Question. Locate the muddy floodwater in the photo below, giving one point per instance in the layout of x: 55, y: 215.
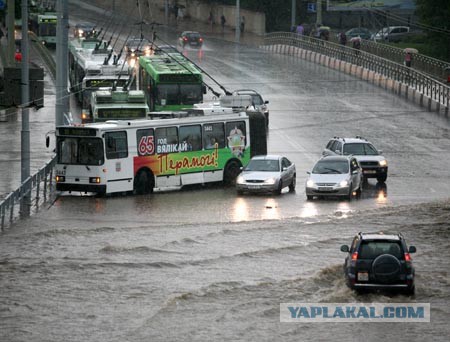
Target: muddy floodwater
x: 104, y: 279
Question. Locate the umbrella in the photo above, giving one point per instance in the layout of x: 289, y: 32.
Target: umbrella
x: 355, y: 39
x: 411, y: 50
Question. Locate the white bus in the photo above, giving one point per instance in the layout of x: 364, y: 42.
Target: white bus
x: 119, y: 104
x: 140, y: 155
x: 89, y: 69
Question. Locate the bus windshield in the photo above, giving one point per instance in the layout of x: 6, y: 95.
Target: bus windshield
x: 47, y: 29
x: 121, y: 113
x: 80, y: 151
x: 191, y: 93
x: 171, y: 94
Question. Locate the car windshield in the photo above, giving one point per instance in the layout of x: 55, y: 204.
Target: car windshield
x: 257, y: 100
x: 270, y: 165
x: 360, y: 149
x: 193, y: 35
x: 372, y: 249
x: 331, y: 166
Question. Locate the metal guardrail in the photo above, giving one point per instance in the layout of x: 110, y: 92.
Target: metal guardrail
x: 413, y: 78
x: 428, y: 65
x: 31, y: 188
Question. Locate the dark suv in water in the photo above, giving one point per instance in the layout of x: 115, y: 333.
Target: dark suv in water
x: 379, y: 261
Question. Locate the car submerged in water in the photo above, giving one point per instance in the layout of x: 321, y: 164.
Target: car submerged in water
x: 265, y: 174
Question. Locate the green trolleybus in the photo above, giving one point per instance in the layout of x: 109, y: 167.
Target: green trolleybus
x: 170, y: 82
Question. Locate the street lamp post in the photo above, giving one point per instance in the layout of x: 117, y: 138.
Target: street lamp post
x: 238, y: 22
x: 293, y: 14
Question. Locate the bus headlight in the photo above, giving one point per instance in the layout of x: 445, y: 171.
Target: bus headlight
x: 95, y: 180
x: 60, y: 179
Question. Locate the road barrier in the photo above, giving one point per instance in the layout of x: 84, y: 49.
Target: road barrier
x: 409, y: 82
x: 35, y: 186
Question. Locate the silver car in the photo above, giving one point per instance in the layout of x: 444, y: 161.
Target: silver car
x: 269, y: 173
x: 335, y: 176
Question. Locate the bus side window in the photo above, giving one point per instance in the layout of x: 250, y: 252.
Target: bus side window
x: 190, y: 138
x: 116, y: 145
x: 213, y: 134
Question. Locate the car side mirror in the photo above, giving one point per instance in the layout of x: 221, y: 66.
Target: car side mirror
x: 338, y: 152
x: 266, y: 102
x: 284, y: 168
x: 412, y: 249
x: 204, y: 89
x: 380, y: 151
x: 308, y: 172
x: 344, y: 248
x: 47, y: 141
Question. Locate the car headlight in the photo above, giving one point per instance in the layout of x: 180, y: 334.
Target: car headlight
x: 310, y: 183
x: 240, y: 180
x: 270, y: 181
x: 383, y: 162
x: 343, y: 183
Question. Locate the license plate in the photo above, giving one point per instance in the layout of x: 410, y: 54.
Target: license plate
x: 325, y: 188
x: 253, y: 186
x: 370, y: 171
x: 363, y: 276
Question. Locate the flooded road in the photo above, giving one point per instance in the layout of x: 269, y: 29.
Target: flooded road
x: 204, y: 264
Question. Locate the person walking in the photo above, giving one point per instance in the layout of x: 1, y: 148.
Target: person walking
x: 211, y: 20
x: 242, y: 24
x: 408, y: 59
x: 300, y: 29
x: 342, y: 39
x: 223, y: 20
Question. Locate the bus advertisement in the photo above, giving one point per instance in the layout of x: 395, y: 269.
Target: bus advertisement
x: 170, y: 82
x: 140, y: 155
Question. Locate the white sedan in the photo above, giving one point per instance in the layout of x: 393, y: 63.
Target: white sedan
x: 269, y: 173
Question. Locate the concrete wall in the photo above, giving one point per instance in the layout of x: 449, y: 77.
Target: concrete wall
x: 153, y: 10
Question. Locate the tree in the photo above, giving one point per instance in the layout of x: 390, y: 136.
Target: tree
x: 435, y: 14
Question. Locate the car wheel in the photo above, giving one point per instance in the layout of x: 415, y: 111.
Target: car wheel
x: 386, y: 269
x: 144, y: 182
x: 232, y: 170
x: 410, y: 291
x: 359, y: 190
x: 350, y: 192
x: 293, y: 183
x: 382, y: 179
x: 280, y: 187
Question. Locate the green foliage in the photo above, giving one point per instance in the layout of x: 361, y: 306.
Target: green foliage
x: 435, y: 14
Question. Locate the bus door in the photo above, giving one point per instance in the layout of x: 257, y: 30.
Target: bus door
x: 118, y: 165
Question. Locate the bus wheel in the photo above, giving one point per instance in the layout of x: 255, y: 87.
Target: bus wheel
x: 232, y: 170
x: 144, y: 183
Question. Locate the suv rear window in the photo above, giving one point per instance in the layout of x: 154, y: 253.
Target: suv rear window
x: 360, y: 149
x: 372, y: 249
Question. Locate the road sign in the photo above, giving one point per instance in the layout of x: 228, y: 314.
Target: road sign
x: 311, y: 7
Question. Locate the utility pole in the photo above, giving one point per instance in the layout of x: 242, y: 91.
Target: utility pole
x: 62, y: 98
x: 166, y: 11
x: 293, y: 13
x: 25, y: 133
x: 319, y: 12
x: 10, y: 16
x: 238, y: 22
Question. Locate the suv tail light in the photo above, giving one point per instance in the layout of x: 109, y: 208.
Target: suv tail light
x: 355, y: 256
x: 407, y: 257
